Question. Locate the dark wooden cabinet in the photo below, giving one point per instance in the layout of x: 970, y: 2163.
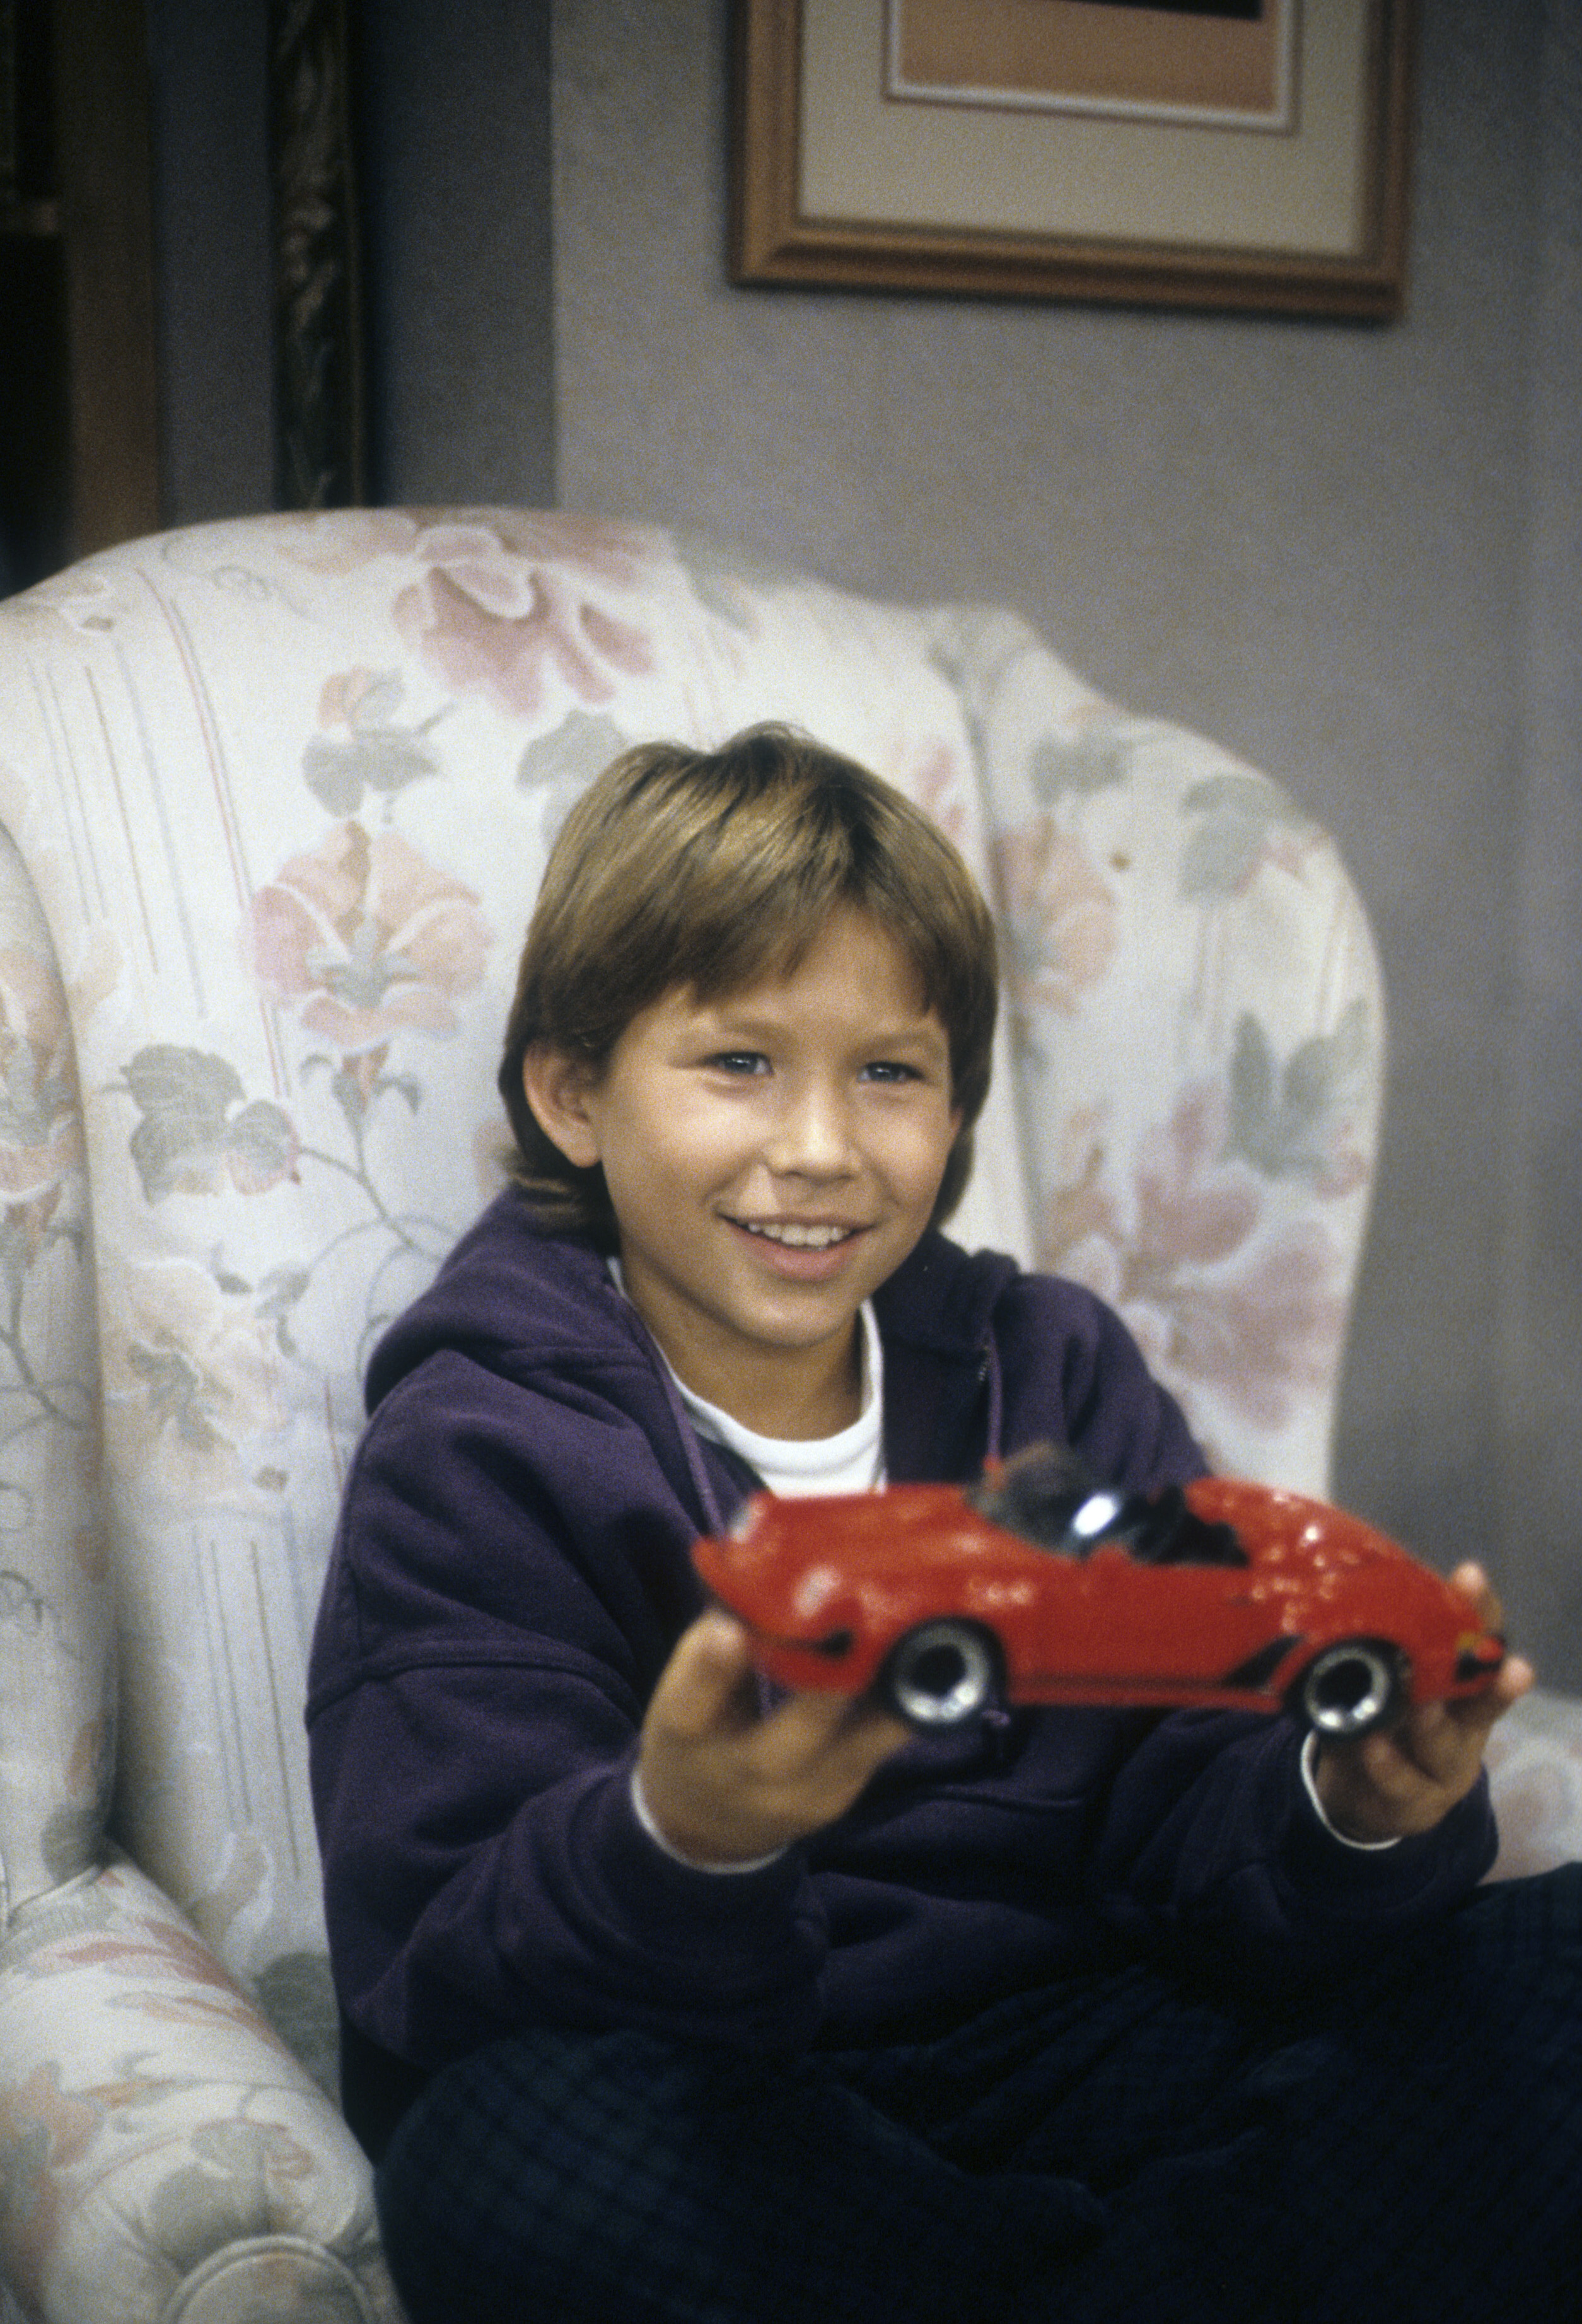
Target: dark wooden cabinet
x: 78, y: 404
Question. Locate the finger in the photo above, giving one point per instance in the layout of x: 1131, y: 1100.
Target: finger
x: 707, y: 1687
x: 1479, y: 1712
x: 1396, y: 1761
x: 837, y: 1731
x: 1377, y: 1789
x: 869, y: 1735
x: 1516, y: 1676
x: 1473, y: 1583
x: 1432, y: 1742
x: 1439, y: 1743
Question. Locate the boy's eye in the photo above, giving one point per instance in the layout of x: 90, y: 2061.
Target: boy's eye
x: 738, y: 1061
x: 890, y: 1069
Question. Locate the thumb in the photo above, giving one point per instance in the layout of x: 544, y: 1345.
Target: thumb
x: 707, y: 1684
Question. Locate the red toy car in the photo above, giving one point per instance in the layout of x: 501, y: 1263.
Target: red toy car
x: 1038, y: 1587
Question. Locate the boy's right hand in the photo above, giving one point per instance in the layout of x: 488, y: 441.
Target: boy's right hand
x: 723, y: 1783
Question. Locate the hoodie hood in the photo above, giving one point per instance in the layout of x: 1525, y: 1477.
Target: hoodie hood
x: 515, y: 1300
x: 526, y: 1305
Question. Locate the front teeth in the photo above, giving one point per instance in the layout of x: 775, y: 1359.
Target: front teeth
x: 802, y: 1238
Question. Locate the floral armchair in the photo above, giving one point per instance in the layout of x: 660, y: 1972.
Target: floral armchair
x: 274, y: 800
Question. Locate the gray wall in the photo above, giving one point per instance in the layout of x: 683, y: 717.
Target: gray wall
x: 456, y: 121
x: 1348, y: 552
x: 453, y: 161
x: 1540, y: 1350
x: 208, y: 91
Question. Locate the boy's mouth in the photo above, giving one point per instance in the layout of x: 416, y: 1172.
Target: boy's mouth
x: 795, y: 1236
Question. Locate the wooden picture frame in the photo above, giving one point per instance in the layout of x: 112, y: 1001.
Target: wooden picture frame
x: 320, y: 420
x: 846, y: 173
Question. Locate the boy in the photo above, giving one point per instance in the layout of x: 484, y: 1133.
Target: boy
x: 662, y: 2000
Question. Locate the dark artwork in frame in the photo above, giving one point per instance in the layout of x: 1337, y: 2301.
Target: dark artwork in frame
x: 1244, y: 12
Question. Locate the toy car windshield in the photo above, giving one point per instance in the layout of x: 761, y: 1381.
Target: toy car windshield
x: 1045, y: 1498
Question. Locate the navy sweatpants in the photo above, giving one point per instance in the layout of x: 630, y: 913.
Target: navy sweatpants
x: 1405, y: 2148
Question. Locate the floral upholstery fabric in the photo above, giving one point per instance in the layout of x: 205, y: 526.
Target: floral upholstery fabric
x: 274, y: 800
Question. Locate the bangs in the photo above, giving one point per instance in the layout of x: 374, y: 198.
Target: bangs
x: 746, y: 895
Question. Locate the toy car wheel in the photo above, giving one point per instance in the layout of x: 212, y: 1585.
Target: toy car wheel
x: 941, y: 1673
x: 1351, y: 1688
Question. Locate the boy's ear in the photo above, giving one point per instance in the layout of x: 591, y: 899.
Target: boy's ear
x: 556, y: 1088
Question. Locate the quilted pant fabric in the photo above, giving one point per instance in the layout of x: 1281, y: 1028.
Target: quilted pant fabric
x: 1403, y: 2146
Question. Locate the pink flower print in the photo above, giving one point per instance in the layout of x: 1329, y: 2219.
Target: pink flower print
x: 494, y: 613
x: 937, y: 786
x: 343, y: 698
x: 41, y: 1126
x: 153, y: 1948
x: 369, y: 938
x: 1060, y: 916
x: 620, y: 554
x: 340, y: 541
x: 40, y: 2104
x: 363, y: 746
x: 337, y: 542
x: 45, y: 2133
x: 191, y: 1380
x: 1270, y: 1333
x: 1189, y: 1212
x: 1081, y: 1210
x: 1213, y: 1296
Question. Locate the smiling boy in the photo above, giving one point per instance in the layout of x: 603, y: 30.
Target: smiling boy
x: 670, y: 2002
x: 772, y: 1156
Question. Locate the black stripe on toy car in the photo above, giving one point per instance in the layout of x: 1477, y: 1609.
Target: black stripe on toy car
x: 1257, y: 1670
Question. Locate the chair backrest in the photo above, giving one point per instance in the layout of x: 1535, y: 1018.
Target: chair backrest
x: 276, y: 797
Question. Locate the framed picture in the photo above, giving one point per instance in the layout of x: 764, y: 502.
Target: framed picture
x: 321, y: 432
x: 1220, y: 153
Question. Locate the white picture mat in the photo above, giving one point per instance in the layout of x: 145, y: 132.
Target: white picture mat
x: 1275, y: 116
x: 864, y: 159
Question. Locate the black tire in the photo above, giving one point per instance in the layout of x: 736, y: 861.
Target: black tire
x: 942, y: 1673
x: 1350, y: 1688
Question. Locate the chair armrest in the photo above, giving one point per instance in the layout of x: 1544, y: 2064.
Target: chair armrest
x: 165, y: 2158
x: 57, y: 1605
x: 1535, y: 1771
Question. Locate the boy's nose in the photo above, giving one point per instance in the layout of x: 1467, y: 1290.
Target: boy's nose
x: 811, y: 1137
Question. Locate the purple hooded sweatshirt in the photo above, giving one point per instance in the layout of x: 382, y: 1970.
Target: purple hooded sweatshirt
x: 511, y: 1572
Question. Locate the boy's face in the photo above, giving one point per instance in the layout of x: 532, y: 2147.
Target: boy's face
x: 771, y: 1157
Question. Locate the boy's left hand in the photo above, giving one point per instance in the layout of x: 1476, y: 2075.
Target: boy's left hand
x: 1406, y: 1777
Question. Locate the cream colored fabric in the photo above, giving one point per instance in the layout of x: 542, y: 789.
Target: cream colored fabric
x: 166, y: 2153
x: 274, y: 801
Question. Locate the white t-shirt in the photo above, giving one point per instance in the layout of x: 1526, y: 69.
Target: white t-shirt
x: 852, y: 1461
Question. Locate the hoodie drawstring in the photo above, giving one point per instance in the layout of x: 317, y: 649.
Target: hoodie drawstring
x: 989, y: 1371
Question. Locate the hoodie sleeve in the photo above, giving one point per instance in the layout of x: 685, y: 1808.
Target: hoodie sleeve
x: 1212, y: 1850
x: 511, y: 1571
